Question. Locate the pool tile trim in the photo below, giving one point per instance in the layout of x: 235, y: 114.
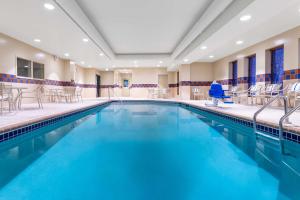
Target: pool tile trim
x: 268, y: 129
x: 38, y: 124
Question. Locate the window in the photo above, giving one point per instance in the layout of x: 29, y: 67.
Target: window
x: 252, y: 70
x: 27, y: 68
x: 234, y: 73
x: 277, y: 71
x: 38, y: 70
x: 125, y: 83
x: 23, y: 67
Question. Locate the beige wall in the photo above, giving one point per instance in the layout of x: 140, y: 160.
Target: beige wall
x: 55, y: 68
x: 289, y: 39
x: 10, y: 49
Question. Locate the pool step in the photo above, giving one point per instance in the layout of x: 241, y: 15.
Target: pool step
x: 258, y: 133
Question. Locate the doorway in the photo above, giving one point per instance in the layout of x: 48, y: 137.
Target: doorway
x: 98, y: 85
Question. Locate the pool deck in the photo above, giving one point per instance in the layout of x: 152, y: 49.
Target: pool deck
x: 30, y: 113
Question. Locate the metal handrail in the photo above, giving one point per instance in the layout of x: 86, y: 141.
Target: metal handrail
x: 266, y: 105
x: 282, y: 119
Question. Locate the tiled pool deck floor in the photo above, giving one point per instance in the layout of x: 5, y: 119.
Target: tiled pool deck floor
x: 30, y: 113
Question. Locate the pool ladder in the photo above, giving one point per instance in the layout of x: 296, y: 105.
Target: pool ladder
x: 283, y: 119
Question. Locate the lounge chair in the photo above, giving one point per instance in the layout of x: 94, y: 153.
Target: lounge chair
x: 293, y: 93
x: 253, y: 92
x: 270, y: 91
x: 233, y: 92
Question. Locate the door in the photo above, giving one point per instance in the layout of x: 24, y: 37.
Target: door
x: 234, y: 73
x: 277, y: 70
x: 251, y: 71
x: 98, y: 85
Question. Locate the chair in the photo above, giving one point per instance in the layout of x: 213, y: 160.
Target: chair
x: 293, y: 93
x: 6, y: 95
x: 270, y: 91
x: 36, y: 94
x: 68, y: 94
x: 78, y: 94
x: 164, y: 93
x: 233, y: 92
x: 217, y: 93
x: 253, y: 92
x: 197, y: 93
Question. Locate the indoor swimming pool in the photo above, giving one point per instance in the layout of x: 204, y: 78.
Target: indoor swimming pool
x: 147, y: 150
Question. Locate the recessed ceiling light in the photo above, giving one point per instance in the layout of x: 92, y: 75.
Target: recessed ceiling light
x: 186, y: 60
x: 67, y: 54
x: 101, y: 54
x: 82, y: 62
x: 204, y: 47
x: 245, y: 18
x: 37, y: 40
x: 106, y: 69
x: 85, y: 39
x: 239, y: 42
x: 40, y: 55
x: 49, y: 6
x: 161, y: 62
x: 211, y: 56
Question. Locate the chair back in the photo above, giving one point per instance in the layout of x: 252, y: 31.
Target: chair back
x: 295, y: 87
x: 216, y: 90
x: 234, y: 89
x: 195, y: 90
x: 273, y: 88
x: 254, y: 89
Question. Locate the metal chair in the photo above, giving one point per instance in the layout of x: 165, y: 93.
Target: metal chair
x: 78, y: 94
x: 36, y: 94
x: 6, y: 95
x: 196, y: 92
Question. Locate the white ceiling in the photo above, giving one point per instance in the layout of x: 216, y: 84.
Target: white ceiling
x: 142, y: 33
x: 143, y: 27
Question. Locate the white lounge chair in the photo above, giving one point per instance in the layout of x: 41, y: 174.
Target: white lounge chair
x: 293, y: 94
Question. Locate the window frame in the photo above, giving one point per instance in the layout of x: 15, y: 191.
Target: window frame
x: 31, y: 74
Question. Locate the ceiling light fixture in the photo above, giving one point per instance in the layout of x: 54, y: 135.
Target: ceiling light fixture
x: 211, y: 56
x: 245, y: 18
x: 67, y: 54
x: 161, y: 62
x: 239, y: 42
x: 85, y: 39
x: 186, y: 60
x: 106, y: 69
x: 204, y: 47
x: 82, y: 62
x: 101, y: 54
x: 49, y: 6
x: 37, y: 40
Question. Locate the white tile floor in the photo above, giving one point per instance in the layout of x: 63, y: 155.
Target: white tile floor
x: 31, y: 113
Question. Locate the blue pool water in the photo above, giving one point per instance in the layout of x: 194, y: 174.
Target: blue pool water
x: 147, y: 151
